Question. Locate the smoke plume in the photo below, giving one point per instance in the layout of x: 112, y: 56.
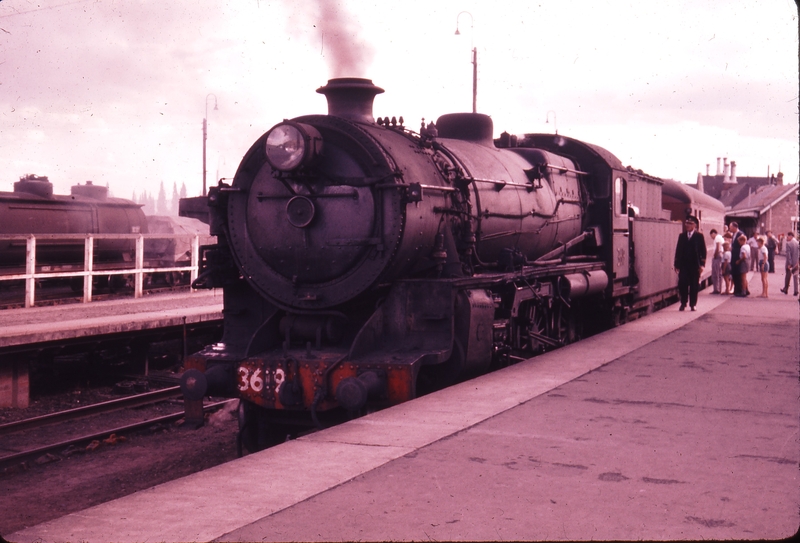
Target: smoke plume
x: 339, y: 36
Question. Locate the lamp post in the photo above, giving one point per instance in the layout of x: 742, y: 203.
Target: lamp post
x: 205, y: 136
x: 555, y: 120
x: 474, y: 59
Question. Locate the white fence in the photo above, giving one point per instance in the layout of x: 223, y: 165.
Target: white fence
x: 138, y: 270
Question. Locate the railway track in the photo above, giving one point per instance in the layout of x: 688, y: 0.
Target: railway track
x: 20, y: 452
x: 94, y: 409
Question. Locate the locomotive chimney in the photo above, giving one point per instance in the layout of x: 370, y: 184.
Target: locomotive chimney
x: 351, y: 98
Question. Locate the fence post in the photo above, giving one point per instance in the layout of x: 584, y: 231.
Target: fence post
x: 195, y: 260
x: 88, y: 267
x: 139, y: 275
x: 30, y: 269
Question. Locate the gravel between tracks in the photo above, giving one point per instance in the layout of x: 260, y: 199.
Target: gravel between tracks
x: 58, y: 484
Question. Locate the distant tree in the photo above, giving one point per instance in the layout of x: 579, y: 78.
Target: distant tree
x: 146, y: 201
x: 175, y: 198
x: 161, y: 203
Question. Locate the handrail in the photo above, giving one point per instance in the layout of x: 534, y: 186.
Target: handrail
x: 96, y: 236
x: 138, y: 270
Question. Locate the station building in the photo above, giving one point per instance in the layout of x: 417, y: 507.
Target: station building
x: 757, y: 204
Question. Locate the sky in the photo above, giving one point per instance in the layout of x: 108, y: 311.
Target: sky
x: 115, y: 91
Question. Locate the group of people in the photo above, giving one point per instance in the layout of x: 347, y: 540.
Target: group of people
x: 733, y: 257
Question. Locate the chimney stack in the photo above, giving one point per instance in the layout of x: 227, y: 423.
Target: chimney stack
x: 733, y: 172
x: 719, y: 172
x: 351, y: 98
x: 725, y: 170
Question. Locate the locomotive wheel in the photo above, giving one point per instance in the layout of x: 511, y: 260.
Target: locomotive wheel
x: 437, y: 376
x: 76, y: 284
x: 537, y: 327
x: 173, y: 278
x: 455, y: 367
x: 563, y: 326
x: 116, y: 283
x: 256, y: 433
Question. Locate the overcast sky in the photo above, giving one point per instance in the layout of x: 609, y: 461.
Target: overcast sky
x: 115, y: 91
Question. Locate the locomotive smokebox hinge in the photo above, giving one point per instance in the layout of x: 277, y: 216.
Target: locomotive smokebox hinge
x: 414, y: 192
x: 462, y: 182
x: 213, y: 197
x: 535, y: 175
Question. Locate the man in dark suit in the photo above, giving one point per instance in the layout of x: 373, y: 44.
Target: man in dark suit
x: 736, y: 248
x: 690, y: 259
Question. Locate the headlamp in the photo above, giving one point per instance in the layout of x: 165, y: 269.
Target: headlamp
x: 291, y: 145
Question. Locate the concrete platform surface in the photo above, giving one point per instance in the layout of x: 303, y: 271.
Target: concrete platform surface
x: 69, y: 321
x: 681, y: 425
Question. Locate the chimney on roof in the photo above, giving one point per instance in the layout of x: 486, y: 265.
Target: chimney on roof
x: 733, y: 172
x: 725, y: 171
x: 708, y: 169
x: 780, y: 178
x: 718, y: 170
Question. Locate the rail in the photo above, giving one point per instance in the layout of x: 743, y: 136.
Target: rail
x: 129, y: 402
x: 90, y: 268
x: 120, y: 430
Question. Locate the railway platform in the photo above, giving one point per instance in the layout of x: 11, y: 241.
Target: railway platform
x: 30, y: 329
x: 679, y: 425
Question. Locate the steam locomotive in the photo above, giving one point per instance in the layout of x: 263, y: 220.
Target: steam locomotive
x: 363, y: 263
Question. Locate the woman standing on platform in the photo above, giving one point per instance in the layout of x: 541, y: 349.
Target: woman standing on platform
x: 763, y: 267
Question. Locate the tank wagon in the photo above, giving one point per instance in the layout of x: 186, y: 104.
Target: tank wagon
x: 363, y: 263
x: 32, y: 208
x: 172, y: 251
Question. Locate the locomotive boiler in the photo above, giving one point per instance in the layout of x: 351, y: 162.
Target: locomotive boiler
x: 364, y: 263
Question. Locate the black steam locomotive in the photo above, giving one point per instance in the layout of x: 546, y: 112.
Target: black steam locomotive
x: 363, y: 263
